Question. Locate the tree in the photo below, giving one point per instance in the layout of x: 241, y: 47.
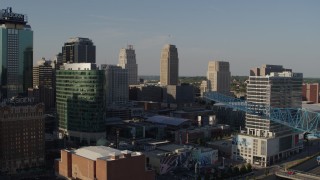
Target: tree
x: 235, y: 170
x: 249, y: 167
x: 243, y: 169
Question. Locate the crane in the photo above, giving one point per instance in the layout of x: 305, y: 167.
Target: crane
x: 300, y: 119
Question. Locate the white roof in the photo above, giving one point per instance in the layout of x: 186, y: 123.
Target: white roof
x: 95, y: 152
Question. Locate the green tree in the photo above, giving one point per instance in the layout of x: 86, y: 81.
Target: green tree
x: 243, y: 169
x: 249, y: 167
x: 236, y: 171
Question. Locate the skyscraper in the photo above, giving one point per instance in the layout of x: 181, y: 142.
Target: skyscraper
x: 218, y: 76
x: 169, y: 65
x: 80, y: 102
x: 79, y: 50
x: 266, y: 142
x: 44, y: 83
x: 16, y: 54
x: 116, y: 85
x: 127, y: 60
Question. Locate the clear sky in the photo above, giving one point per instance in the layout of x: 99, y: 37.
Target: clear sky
x: 247, y: 33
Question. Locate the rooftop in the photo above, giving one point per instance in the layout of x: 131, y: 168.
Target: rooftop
x: 167, y: 120
x: 95, y: 152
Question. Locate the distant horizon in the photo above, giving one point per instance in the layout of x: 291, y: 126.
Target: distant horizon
x: 245, y: 33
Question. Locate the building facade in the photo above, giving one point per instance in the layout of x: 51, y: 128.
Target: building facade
x: 169, y: 65
x: 79, y: 50
x: 21, y: 135
x: 310, y: 92
x: 127, y: 60
x: 43, y: 82
x: 16, y: 54
x: 100, y: 162
x: 218, y: 76
x: 266, y: 142
x: 80, y: 102
x: 116, y: 85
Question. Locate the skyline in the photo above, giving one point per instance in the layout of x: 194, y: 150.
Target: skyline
x: 246, y: 34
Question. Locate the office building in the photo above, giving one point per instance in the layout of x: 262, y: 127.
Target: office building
x: 116, y: 85
x: 266, y: 142
x: 43, y: 82
x: 16, y: 54
x: 218, y: 76
x: 80, y: 102
x: 79, y: 50
x: 266, y: 69
x: 100, y: 162
x: 21, y: 135
x: 310, y: 93
x: 169, y: 65
x: 127, y: 60
x: 182, y: 96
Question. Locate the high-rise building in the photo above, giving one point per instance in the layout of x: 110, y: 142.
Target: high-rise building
x: 16, y: 54
x: 127, y: 60
x: 44, y: 83
x: 79, y: 50
x: 80, y: 102
x: 266, y: 69
x: 266, y: 142
x: 21, y: 135
x: 116, y: 85
x: 169, y: 65
x: 218, y: 76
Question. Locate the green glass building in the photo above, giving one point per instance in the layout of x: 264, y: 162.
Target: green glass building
x: 80, y: 102
x: 16, y: 54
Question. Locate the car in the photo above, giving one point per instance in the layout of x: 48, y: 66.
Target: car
x: 290, y: 172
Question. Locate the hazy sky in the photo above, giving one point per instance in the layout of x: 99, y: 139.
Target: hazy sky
x: 247, y: 33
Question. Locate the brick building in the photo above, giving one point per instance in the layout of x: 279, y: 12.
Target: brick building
x: 100, y: 162
x: 21, y: 135
x: 310, y: 92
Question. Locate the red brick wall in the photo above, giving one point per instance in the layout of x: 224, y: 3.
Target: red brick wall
x: 83, y: 168
x: 101, y: 169
x: 314, y: 93
x: 64, y: 165
x: 129, y: 168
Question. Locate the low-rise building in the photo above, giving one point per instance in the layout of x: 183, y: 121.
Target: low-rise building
x: 100, y: 162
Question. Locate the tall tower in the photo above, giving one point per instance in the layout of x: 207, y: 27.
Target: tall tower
x: 169, y: 65
x: 80, y: 105
x: 218, y: 76
x: 79, y: 50
x: 116, y: 85
x: 266, y: 142
x: 16, y: 54
x: 127, y: 60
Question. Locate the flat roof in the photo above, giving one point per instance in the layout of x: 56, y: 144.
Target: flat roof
x: 312, y: 107
x: 167, y: 120
x: 95, y: 152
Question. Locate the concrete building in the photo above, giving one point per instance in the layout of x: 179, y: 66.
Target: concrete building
x: 116, y: 85
x: 44, y: 82
x: 266, y: 142
x: 310, y: 92
x: 266, y: 69
x: 100, y: 162
x: 218, y: 76
x: 16, y: 54
x: 22, y: 141
x: 127, y: 60
x: 80, y: 102
x: 79, y: 50
x: 169, y: 65
x: 180, y: 95
x: 146, y: 93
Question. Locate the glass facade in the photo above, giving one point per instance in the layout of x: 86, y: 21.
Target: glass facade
x: 16, y: 53
x: 80, y: 102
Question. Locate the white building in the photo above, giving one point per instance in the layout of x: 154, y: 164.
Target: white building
x: 266, y: 142
x: 127, y: 60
